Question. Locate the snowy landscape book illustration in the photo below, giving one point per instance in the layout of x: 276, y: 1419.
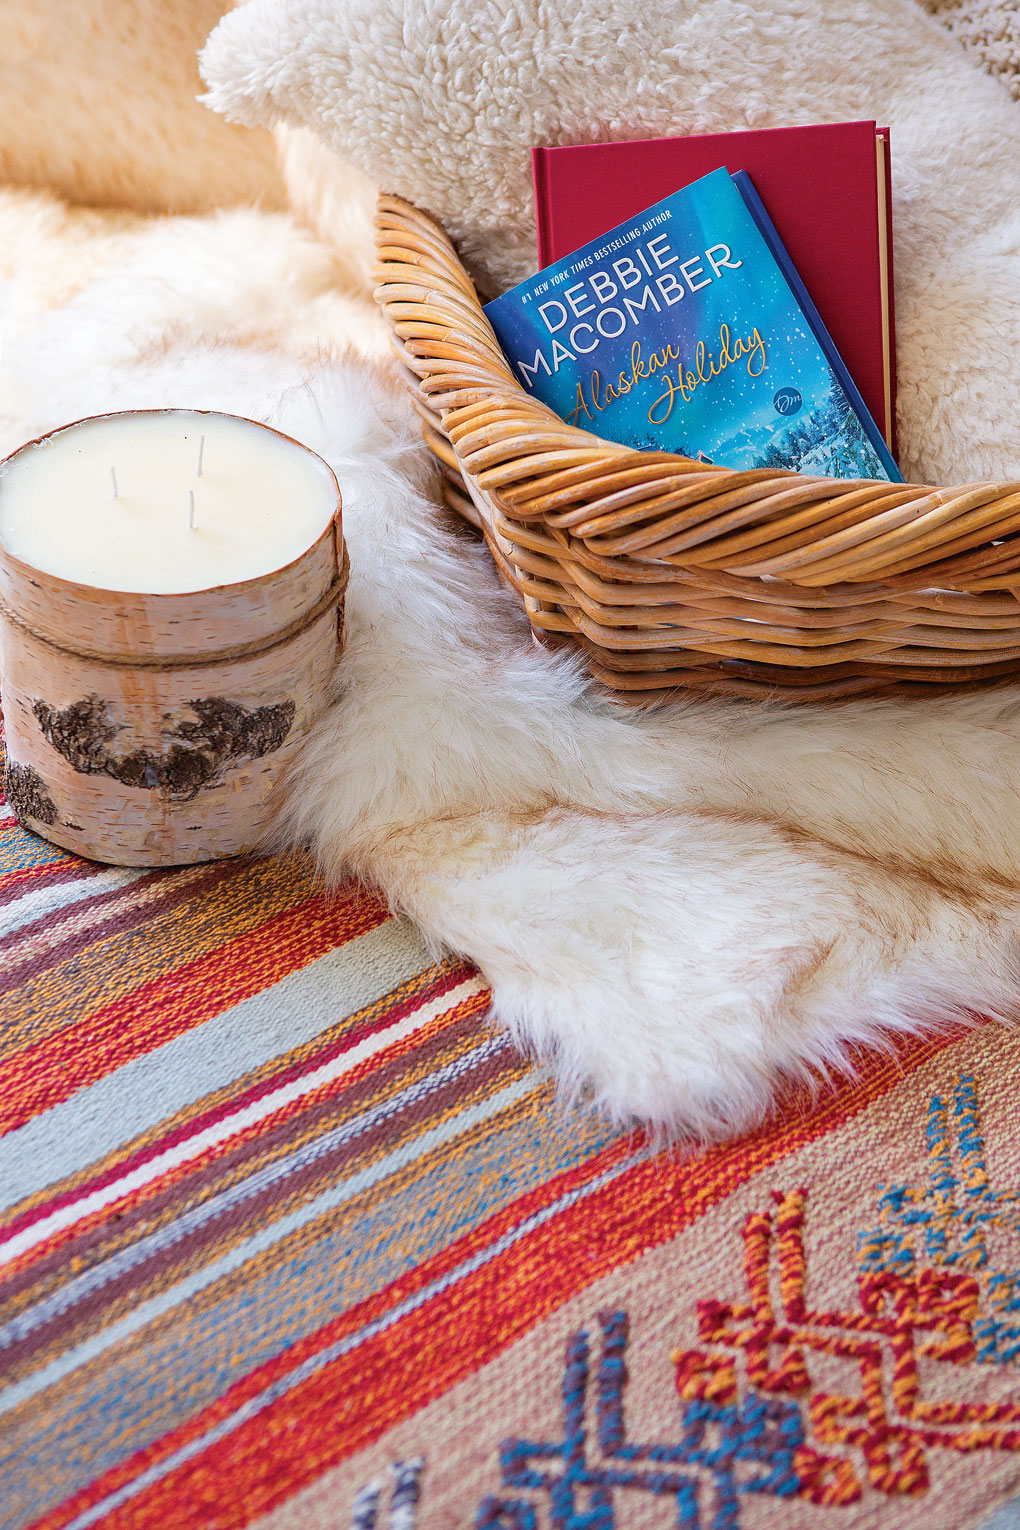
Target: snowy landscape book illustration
x: 686, y: 329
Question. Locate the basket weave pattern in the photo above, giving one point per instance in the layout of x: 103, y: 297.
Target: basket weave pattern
x: 672, y: 573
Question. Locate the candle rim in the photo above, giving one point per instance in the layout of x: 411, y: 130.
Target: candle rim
x: 332, y: 527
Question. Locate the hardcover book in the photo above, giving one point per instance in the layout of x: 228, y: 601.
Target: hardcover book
x: 687, y: 329
x: 827, y: 189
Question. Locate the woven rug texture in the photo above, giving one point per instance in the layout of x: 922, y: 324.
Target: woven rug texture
x: 291, y: 1237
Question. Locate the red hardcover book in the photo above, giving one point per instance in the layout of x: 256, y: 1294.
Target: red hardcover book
x: 827, y: 189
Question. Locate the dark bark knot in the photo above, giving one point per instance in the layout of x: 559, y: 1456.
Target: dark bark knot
x: 198, y: 751
x: 28, y: 794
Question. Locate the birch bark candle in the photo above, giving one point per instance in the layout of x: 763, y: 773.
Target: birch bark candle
x: 171, y: 595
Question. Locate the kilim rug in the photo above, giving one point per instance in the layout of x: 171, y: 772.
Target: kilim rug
x: 290, y: 1238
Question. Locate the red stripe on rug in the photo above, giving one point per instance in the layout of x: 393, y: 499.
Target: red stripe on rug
x: 380, y: 1382
x: 40, y: 1076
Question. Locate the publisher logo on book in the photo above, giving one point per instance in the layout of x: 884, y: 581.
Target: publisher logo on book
x: 788, y: 400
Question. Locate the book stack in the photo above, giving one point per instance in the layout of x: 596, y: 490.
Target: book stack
x: 742, y: 318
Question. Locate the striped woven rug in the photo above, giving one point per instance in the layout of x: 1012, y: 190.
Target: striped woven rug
x: 291, y: 1238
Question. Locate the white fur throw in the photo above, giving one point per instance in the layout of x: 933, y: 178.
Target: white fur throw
x: 441, y: 101
x: 679, y: 908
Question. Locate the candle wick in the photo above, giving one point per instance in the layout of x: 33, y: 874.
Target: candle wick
x: 113, y: 480
x: 201, y: 452
x: 191, y: 509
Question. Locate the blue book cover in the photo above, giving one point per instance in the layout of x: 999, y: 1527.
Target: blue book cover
x: 686, y: 329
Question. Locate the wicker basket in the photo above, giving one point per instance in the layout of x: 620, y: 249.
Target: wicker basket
x: 672, y: 574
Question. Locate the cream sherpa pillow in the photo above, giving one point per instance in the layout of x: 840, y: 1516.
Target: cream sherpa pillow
x: 441, y: 101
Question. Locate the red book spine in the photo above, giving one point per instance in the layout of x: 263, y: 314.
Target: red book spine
x: 543, y: 208
x: 890, y: 291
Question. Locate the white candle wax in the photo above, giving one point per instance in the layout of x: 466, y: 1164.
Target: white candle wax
x: 106, y: 502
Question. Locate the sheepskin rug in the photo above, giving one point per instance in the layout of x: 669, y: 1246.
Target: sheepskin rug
x: 680, y: 909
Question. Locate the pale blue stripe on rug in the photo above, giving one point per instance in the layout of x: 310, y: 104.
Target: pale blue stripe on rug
x: 40, y: 901
x: 228, y: 1201
x: 1006, y: 1517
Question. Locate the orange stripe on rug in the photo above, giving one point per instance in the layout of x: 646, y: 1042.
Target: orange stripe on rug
x: 356, y: 1398
x: 46, y: 1072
